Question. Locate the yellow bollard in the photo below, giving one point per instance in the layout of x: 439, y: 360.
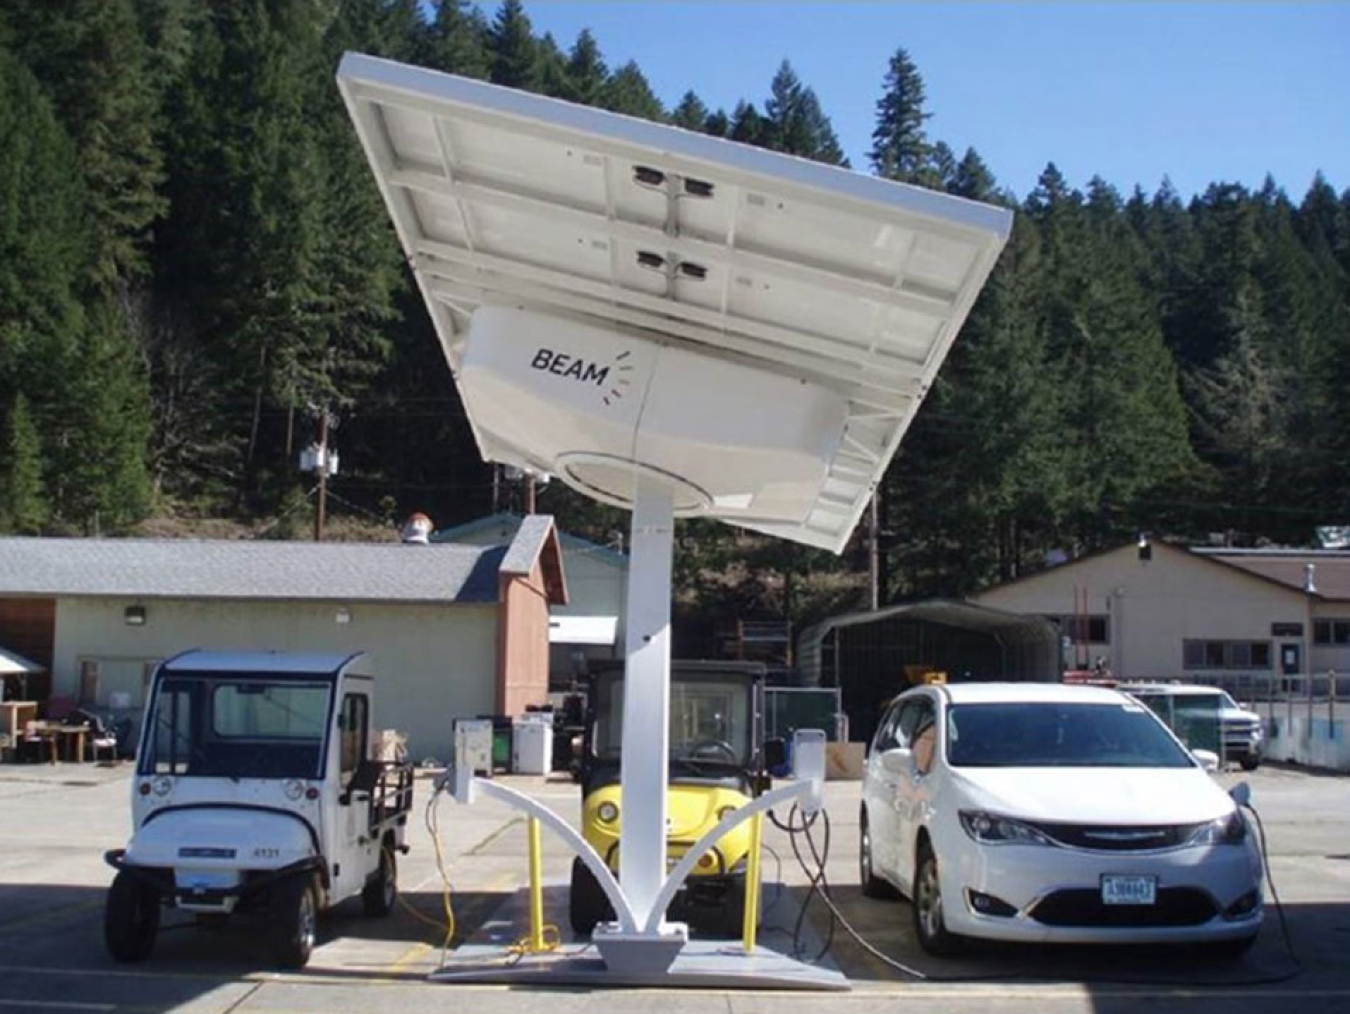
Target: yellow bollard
x: 749, y: 919
x: 536, y: 887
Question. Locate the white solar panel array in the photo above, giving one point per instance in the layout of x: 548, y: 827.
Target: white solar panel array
x: 844, y: 280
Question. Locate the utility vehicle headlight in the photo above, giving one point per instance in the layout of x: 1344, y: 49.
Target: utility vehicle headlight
x: 991, y: 829
x: 162, y: 785
x: 294, y: 789
x: 607, y: 812
x: 1229, y: 830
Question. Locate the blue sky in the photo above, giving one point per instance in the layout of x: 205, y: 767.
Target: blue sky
x: 1201, y: 92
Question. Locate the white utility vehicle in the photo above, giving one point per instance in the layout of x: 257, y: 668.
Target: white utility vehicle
x: 255, y: 794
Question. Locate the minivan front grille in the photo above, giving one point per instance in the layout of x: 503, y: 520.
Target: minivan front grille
x: 1119, y: 838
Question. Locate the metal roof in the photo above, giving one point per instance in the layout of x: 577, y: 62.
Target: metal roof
x: 223, y: 569
x: 1330, y: 568
x: 536, y: 540
x: 793, y: 267
x: 508, y: 524
x: 1030, y: 636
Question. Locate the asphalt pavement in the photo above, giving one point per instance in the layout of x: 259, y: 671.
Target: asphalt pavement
x: 56, y: 822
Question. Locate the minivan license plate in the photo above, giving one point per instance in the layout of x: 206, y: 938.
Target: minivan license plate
x: 1129, y: 890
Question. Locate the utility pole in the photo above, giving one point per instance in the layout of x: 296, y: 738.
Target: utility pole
x: 874, y: 552
x: 323, y: 475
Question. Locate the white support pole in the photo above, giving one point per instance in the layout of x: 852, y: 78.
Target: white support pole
x: 646, y: 702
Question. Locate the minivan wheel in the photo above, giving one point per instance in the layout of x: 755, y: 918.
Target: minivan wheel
x: 872, y: 885
x: 929, y: 925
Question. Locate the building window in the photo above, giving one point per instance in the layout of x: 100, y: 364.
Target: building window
x: 1225, y: 654
x: 1331, y: 632
x: 1091, y: 629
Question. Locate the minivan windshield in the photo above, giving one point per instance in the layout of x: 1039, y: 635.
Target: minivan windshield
x: 243, y: 726
x: 1059, y: 734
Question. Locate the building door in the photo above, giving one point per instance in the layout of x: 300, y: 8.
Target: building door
x: 1290, y: 659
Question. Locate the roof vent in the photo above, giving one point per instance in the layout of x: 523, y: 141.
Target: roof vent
x: 1309, y: 584
x: 416, y: 530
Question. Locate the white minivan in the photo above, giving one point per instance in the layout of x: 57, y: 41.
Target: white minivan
x: 1043, y: 812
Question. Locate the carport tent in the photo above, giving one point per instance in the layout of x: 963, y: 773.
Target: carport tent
x: 865, y: 653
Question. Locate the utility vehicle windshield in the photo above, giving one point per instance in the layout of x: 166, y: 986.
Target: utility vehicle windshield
x: 710, y: 721
x: 227, y: 726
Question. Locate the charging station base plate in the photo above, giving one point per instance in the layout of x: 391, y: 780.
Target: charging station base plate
x: 702, y: 964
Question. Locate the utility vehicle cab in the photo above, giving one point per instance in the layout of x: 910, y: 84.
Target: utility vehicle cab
x: 255, y: 793
x: 716, y: 765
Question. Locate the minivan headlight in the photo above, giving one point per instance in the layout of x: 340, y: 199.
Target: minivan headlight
x: 1229, y: 830
x: 991, y: 829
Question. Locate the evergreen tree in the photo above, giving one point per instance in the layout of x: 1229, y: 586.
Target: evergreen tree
x: 794, y: 122
x: 718, y: 124
x: 691, y: 113
x: 551, y: 69
x: 43, y: 257
x: 586, y: 70
x: 940, y: 172
x: 512, y: 48
x: 23, y: 500
x: 457, y: 40
x: 243, y: 237
x: 92, y: 61
x: 747, y: 126
x: 899, y: 144
x: 972, y: 178
x: 627, y: 92
x: 105, y: 484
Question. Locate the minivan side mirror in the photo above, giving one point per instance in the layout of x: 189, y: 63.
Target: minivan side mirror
x: 1209, y: 760
x: 897, y: 760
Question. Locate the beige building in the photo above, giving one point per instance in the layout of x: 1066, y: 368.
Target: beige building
x: 453, y: 631
x: 1160, y: 611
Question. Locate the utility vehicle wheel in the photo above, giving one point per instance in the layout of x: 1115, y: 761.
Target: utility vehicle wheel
x: 586, y: 901
x: 377, y: 897
x: 295, y: 919
x: 131, y: 918
x: 872, y: 885
x: 1250, y: 763
x: 929, y: 925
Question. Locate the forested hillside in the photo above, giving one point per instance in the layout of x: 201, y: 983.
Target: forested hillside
x: 195, y: 263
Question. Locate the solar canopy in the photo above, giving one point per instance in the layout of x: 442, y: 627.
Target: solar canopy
x: 792, y: 267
